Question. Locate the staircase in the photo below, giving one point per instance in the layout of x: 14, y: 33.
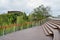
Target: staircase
x: 52, y: 28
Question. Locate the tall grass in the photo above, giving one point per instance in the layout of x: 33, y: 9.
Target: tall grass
x: 16, y: 27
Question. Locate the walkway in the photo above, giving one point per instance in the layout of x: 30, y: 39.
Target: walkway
x: 35, y: 33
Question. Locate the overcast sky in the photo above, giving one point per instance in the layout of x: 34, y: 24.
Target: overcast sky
x: 28, y: 5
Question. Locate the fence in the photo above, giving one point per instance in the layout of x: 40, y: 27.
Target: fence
x: 16, y: 27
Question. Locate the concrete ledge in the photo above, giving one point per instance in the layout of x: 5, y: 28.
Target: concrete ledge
x: 51, y: 25
x: 45, y: 31
x: 58, y: 26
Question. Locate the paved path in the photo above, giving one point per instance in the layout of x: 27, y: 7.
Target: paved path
x: 35, y: 33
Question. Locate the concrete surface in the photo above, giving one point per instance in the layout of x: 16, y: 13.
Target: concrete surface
x: 35, y: 33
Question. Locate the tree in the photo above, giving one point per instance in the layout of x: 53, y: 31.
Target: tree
x: 40, y: 13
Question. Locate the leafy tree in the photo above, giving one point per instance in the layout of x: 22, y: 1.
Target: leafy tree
x: 40, y: 13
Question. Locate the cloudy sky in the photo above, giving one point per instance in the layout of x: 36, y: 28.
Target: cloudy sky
x: 28, y: 5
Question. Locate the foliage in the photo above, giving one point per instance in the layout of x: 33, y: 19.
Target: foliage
x: 24, y: 21
x: 40, y: 13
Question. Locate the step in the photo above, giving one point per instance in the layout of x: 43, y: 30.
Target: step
x: 58, y: 23
x: 50, y: 28
x: 51, y: 25
x: 47, y: 29
x: 46, y: 33
x: 58, y: 26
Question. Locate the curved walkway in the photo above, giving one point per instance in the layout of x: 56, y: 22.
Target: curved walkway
x: 35, y: 33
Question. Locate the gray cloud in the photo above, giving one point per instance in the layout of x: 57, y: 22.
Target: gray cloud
x: 29, y: 5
